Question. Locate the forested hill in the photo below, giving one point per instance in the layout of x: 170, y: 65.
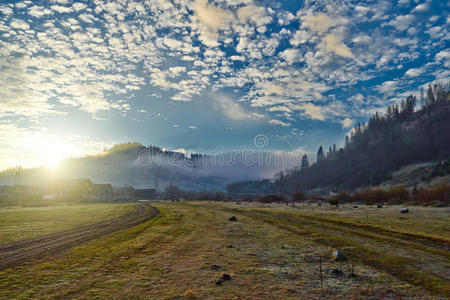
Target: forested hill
x: 143, y: 167
x: 374, y: 150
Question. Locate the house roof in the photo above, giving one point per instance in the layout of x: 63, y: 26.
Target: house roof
x: 101, y: 188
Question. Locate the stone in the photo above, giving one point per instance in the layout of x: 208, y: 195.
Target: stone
x: 226, y: 277
x: 337, y: 255
x: 337, y: 272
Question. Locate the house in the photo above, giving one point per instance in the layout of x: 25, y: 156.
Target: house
x: 124, y: 193
x: 82, y: 190
x: 145, y: 194
x: 101, y: 192
x: 73, y: 189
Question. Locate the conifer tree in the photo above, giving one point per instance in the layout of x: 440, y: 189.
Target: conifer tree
x: 430, y: 95
x: 347, y: 142
x: 305, y: 162
x: 320, y: 155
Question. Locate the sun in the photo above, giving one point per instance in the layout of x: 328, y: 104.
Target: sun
x: 49, y: 151
x: 54, y: 153
x: 53, y: 160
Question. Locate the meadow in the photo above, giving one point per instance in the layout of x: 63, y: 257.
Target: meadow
x: 20, y: 223
x: 271, y: 252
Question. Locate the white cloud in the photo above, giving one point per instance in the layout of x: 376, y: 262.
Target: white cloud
x: 6, y: 10
x: 319, y: 22
x: 86, y: 18
x: 443, y: 57
x: 255, y: 14
x: 414, y: 72
x: 346, y: 123
x: 38, y: 11
x: 310, y: 110
x: 176, y: 71
x: 401, y: 22
x: 19, y: 24
x: 421, y: 7
x: 290, y: 55
x: 87, y: 67
x: 363, y: 39
x: 61, y: 9
x: 212, y: 18
x: 77, y: 6
x: 335, y: 44
x: 231, y: 109
x: 388, y: 87
x: 279, y: 123
x: 279, y: 108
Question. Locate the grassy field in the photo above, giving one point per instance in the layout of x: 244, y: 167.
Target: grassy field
x: 20, y: 223
x: 270, y: 252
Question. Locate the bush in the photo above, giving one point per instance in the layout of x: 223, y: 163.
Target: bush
x: 374, y: 196
x: 439, y: 193
x: 343, y: 197
x: 272, y: 198
x: 334, y: 201
x: 298, y: 196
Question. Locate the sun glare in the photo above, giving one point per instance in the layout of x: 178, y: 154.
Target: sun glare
x: 53, y: 160
x: 49, y: 151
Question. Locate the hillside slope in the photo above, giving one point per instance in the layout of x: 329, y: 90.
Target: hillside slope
x: 375, y: 152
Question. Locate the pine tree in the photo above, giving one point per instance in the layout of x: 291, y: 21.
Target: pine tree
x: 395, y: 111
x: 320, y: 155
x: 410, y: 104
x: 389, y: 112
x: 430, y: 95
x: 422, y: 97
x: 305, y: 162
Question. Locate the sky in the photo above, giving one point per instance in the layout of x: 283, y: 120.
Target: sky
x: 77, y: 77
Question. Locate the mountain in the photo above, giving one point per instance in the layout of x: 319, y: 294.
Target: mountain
x: 142, y: 167
x: 375, y: 151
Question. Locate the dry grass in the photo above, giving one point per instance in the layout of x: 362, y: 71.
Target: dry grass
x: 21, y: 223
x: 271, y: 257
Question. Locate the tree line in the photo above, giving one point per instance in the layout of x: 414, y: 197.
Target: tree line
x: 374, y: 150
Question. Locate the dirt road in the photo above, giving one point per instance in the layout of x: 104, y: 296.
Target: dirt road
x: 16, y: 253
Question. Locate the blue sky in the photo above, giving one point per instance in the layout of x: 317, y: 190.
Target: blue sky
x: 79, y: 76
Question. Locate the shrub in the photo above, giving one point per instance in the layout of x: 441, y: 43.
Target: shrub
x: 439, y: 193
x: 298, y: 196
x: 334, y: 201
x: 272, y: 198
x: 343, y: 197
x: 374, y: 196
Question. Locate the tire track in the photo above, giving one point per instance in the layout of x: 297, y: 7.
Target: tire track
x: 16, y: 253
